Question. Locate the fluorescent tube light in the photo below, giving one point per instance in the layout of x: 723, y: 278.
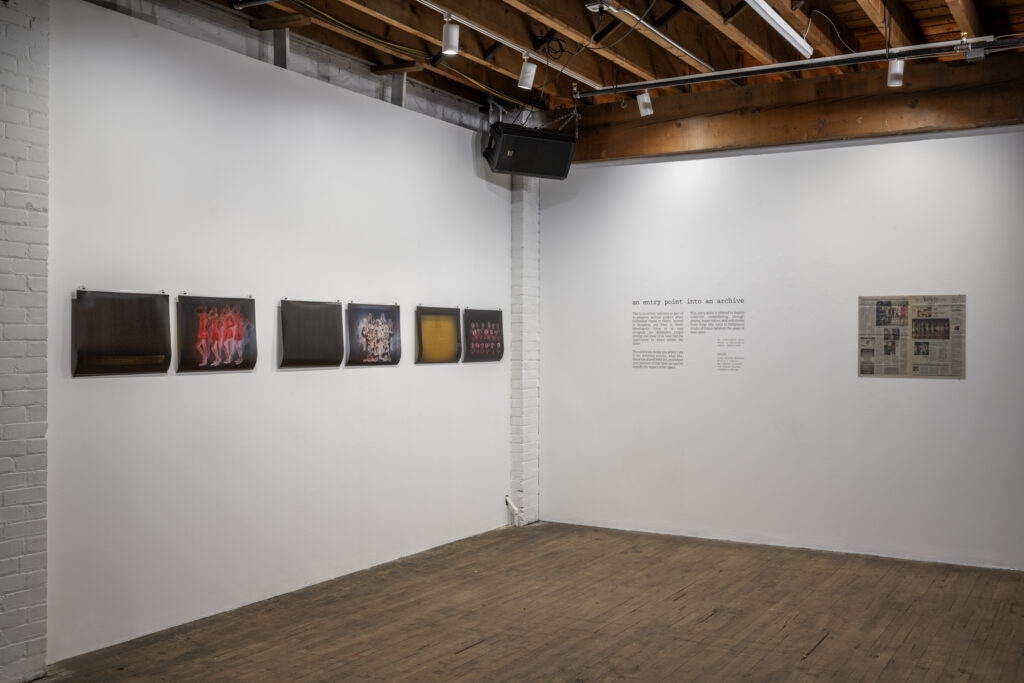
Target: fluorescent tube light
x: 779, y: 24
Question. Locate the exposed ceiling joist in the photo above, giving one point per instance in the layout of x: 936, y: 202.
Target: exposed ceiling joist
x: 688, y: 46
x: 965, y: 14
x: 747, y: 30
x: 679, y: 38
x: 521, y: 37
x: 340, y: 42
x: 936, y: 97
x: 573, y: 21
x: 283, y: 21
x: 892, y: 17
x: 820, y: 34
x: 399, y: 67
x: 427, y: 24
x: 403, y: 45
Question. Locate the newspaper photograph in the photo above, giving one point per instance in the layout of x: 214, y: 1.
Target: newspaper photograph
x: 912, y: 336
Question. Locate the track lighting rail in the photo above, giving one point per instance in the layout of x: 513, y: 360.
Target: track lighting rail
x: 971, y: 48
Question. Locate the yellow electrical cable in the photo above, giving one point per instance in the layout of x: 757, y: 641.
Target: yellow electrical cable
x: 491, y: 91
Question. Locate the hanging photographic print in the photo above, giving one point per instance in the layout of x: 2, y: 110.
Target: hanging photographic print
x: 118, y: 333
x: 311, y: 334
x: 485, y: 338
x: 437, y: 335
x: 374, y: 337
x: 216, y: 333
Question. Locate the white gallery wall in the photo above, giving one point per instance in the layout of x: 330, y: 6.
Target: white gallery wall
x: 180, y: 166
x: 787, y: 445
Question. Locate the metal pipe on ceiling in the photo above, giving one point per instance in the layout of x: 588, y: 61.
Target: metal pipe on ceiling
x: 971, y: 48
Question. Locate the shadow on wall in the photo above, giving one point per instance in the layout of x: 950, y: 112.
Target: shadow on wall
x: 478, y: 142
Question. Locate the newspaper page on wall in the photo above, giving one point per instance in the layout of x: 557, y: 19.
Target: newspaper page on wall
x: 912, y: 336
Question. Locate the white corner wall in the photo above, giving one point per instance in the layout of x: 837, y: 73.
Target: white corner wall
x: 180, y: 166
x: 793, y: 449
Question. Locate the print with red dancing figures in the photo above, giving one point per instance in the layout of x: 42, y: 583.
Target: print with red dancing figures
x: 221, y: 335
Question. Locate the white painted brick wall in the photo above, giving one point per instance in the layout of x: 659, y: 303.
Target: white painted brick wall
x: 524, y: 347
x: 24, y: 192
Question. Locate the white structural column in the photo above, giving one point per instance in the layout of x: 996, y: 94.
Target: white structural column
x: 24, y: 196
x: 524, y: 347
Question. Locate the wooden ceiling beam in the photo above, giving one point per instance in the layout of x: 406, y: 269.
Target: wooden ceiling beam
x: 939, y: 96
x: 747, y: 30
x: 821, y: 40
x: 820, y: 34
x: 399, y: 67
x: 685, y: 31
x: 281, y: 21
x: 903, y: 29
x: 485, y: 76
x: 499, y: 20
x: 343, y: 44
x: 413, y: 19
x: 427, y: 25
x: 633, y: 55
x: 677, y: 8
x: 965, y: 14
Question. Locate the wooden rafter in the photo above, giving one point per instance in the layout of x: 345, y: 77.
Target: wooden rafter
x: 940, y: 96
x: 684, y: 32
x: 819, y: 34
x: 689, y: 36
x: 468, y: 72
x: 821, y: 39
x: 571, y: 19
x: 399, y: 67
x: 426, y: 24
x: 281, y: 21
x: 965, y: 14
x: 346, y: 45
x: 747, y: 30
x: 893, y: 14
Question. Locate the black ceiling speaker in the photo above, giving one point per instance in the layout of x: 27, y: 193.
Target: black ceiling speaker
x: 529, y: 151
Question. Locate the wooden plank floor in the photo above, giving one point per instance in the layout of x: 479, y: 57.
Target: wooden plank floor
x: 554, y: 602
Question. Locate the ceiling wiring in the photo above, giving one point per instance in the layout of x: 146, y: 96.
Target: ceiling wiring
x: 631, y: 29
x: 835, y: 29
x: 488, y: 89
